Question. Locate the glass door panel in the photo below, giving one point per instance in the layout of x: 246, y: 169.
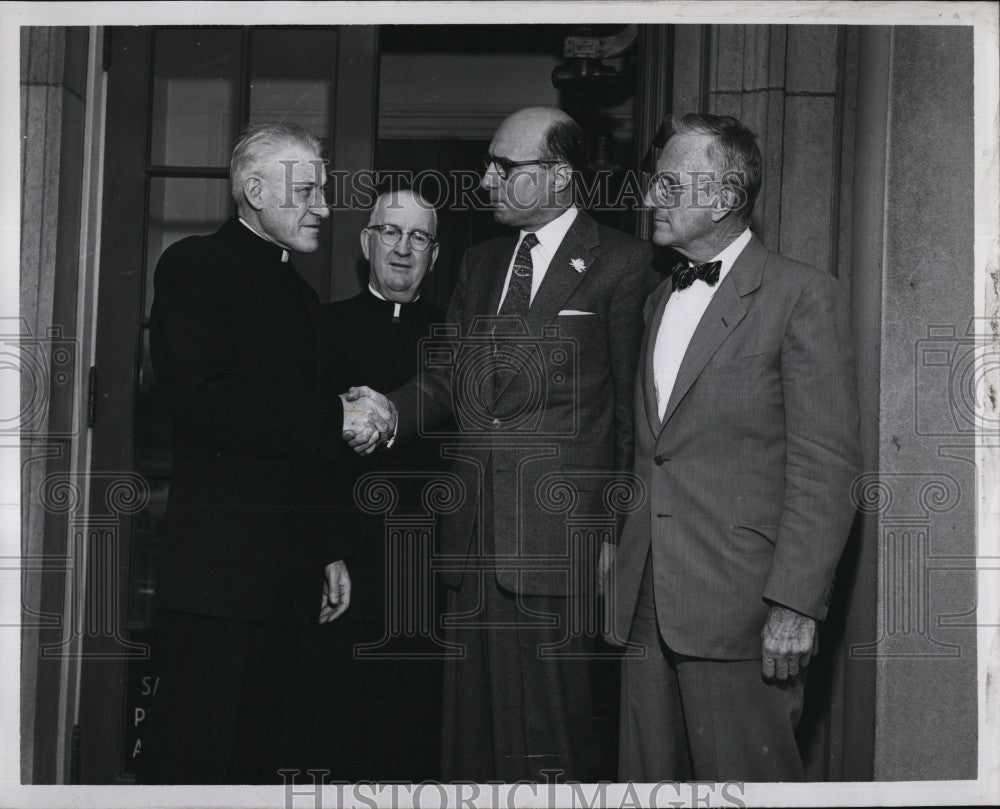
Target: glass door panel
x: 196, y: 74
x: 292, y: 73
x: 292, y: 78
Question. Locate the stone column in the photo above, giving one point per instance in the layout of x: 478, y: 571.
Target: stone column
x: 53, y: 105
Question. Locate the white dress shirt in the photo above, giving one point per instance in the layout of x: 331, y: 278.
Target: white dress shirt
x: 549, y: 236
x: 681, y: 317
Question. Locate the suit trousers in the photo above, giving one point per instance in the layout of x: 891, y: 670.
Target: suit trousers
x: 232, y: 705
x: 515, y: 708
x: 688, y: 718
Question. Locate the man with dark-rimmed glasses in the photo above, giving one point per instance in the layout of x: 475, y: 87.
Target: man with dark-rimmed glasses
x: 567, y: 293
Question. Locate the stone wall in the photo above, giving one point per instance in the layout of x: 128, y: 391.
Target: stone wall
x: 926, y: 683
x: 868, y: 174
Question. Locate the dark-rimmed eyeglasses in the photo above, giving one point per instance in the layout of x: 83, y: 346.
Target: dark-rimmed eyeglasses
x: 390, y: 236
x: 504, y: 166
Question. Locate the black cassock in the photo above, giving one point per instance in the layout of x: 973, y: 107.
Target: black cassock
x: 386, y: 698
x: 252, y: 518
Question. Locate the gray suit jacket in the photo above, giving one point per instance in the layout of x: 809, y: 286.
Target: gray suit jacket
x: 748, y: 475
x: 566, y: 416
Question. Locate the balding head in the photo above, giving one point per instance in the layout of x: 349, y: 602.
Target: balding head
x: 404, y: 198
x: 561, y: 137
x: 534, y: 121
x: 551, y: 147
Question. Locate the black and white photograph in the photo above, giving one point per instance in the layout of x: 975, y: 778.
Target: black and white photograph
x: 495, y: 404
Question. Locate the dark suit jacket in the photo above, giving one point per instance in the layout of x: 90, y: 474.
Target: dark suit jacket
x: 365, y: 346
x: 749, y: 473
x: 235, y: 349
x: 566, y: 416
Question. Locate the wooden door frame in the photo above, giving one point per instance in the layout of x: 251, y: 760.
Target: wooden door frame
x: 102, y: 678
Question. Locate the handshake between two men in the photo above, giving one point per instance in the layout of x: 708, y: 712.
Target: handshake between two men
x: 369, y: 420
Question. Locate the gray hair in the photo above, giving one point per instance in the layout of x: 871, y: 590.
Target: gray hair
x: 260, y: 141
x: 734, y: 152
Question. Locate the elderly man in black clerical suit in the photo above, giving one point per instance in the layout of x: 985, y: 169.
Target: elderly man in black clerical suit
x: 546, y: 325
x: 252, y: 554
x: 388, y: 696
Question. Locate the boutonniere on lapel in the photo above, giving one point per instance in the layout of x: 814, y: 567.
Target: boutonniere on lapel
x: 577, y: 264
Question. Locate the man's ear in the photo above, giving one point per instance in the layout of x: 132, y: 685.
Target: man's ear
x: 434, y: 256
x: 725, y: 203
x: 563, y: 176
x: 253, y: 191
x: 365, y: 235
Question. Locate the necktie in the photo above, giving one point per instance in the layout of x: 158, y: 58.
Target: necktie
x: 518, y: 297
x: 683, y: 275
x: 515, y: 304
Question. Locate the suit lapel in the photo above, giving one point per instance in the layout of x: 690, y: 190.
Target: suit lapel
x: 491, y: 278
x: 561, y: 279
x: 724, y: 312
x: 653, y: 324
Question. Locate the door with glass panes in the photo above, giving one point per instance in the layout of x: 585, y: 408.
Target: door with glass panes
x: 177, y: 99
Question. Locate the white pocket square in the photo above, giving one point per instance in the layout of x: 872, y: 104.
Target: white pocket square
x: 573, y: 312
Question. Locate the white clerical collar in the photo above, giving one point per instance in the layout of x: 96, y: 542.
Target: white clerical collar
x: 397, y: 307
x: 727, y: 257
x: 284, y: 252
x: 551, y: 234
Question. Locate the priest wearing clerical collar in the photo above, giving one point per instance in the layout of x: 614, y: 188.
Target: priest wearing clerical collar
x: 253, y: 535
x: 382, y: 324
x: 387, y: 709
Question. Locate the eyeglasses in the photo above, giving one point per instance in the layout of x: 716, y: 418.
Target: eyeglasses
x: 505, y: 166
x: 390, y: 236
x: 665, y: 191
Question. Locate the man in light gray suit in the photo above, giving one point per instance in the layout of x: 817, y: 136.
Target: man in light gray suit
x: 746, y: 439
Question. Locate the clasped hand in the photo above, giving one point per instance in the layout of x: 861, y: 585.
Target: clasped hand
x: 369, y: 419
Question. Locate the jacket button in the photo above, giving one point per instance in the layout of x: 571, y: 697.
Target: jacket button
x: 658, y: 460
x: 496, y: 424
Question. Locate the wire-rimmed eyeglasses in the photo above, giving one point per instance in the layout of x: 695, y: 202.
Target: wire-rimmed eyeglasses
x: 390, y: 236
x: 664, y: 189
